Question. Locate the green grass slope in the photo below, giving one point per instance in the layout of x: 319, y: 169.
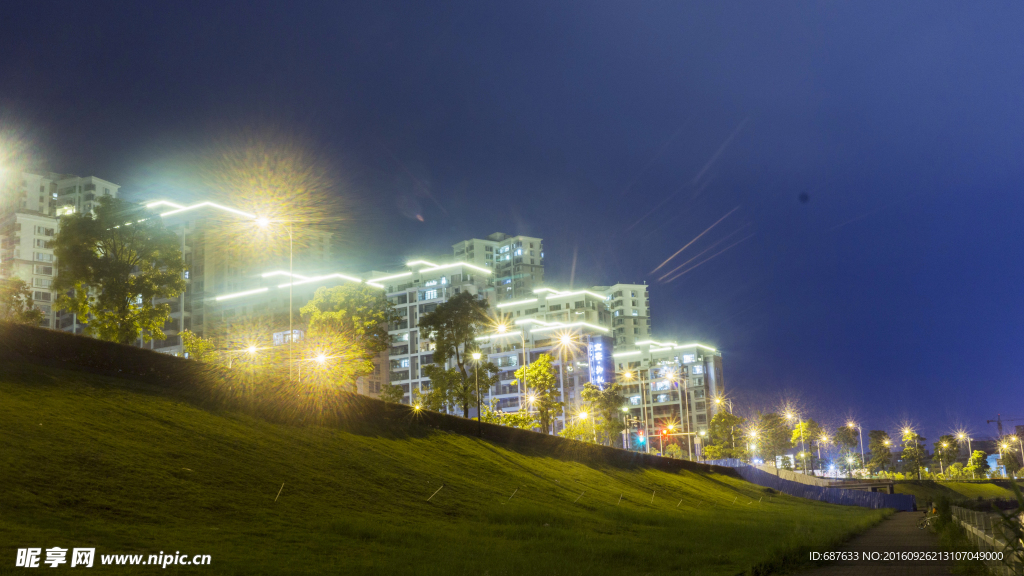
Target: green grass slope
x: 929, y: 491
x: 92, y: 461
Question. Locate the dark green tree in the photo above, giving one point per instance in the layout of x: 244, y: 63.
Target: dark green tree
x: 391, y: 393
x: 914, y: 453
x: 453, y: 327
x: 773, y: 436
x: 880, y: 446
x: 606, y: 406
x: 846, y: 438
x: 725, y: 438
x: 806, y: 436
x: 111, y: 268
x: 543, y: 395
x: 977, y: 465
x: 945, y: 451
x: 356, y: 314
x: 16, y: 304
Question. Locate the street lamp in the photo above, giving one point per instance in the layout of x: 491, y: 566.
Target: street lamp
x: 851, y: 424
x: 961, y: 436
x: 800, y: 422
x: 264, y: 223
x: 476, y: 372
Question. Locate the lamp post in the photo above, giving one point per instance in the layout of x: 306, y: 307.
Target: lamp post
x: 264, y: 222
x: 941, y: 468
x: 565, y: 340
x: 887, y: 443
x: 476, y: 373
x: 800, y: 423
x: 701, y: 434
x: 823, y: 440
x: 853, y: 425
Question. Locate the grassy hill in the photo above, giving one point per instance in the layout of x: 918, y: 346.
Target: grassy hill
x: 929, y: 491
x: 121, y: 465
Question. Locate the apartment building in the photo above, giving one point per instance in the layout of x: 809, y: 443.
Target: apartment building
x: 529, y: 327
x: 516, y: 261
x: 631, y: 312
x: 258, y: 314
x: 30, y: 206
x: 669, y: 385
x: 416, y: 289
x: 225, y: 252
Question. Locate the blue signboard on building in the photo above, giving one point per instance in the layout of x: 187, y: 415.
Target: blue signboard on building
x: 599, y: 355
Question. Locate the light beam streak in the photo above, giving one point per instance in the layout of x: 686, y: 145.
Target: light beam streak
x: 712, y: 257
x: 708, y: 229
x: 704, y: 251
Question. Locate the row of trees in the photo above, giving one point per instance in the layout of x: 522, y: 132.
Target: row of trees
x: 770, y: 436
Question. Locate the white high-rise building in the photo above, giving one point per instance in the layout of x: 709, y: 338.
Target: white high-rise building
x: 669, y: 388
x: 30, y: 206
x: 630, y: 306
x: 517, y: 262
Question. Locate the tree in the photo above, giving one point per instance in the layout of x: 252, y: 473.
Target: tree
x: 391, y: 393
x: 112, y: 267
x: 360, y: 312
x: 448, y: 388
x: 945, y: 451
x: 453, y: 327
x: 977, y: 465
x: 674, y: 451
x: 16, y: 304
x: 879, y: 444
x: 1011, y: 461
x: 773, y: 436
x: 846, y: 438
x: 721, y: 441
x: 578, y: 429
x: 545, y: 396
x: 606, y: 407
x: 198, y: 348
x: 806, y: 435
x: 914, y: 455
x: 521, y: 419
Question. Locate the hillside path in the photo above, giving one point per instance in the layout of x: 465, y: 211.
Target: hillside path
x: 899, y: 532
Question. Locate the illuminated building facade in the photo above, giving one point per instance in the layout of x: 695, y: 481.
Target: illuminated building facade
x: 631, y: 312
x: 225, y: 253
x: 414, y: 290
x: 669, y: 386
x: 516, y: 261
x: 30, y: 206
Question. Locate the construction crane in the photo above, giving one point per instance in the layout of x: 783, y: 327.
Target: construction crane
x: 999, y: 422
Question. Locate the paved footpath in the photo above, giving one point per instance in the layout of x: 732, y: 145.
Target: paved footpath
x: 896, y: 533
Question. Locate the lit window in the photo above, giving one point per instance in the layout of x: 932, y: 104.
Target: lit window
x: 636, y: 312
x: 634, y: 400
x: 687, y: 358
x: 698, y: 369
x: 430, y: 294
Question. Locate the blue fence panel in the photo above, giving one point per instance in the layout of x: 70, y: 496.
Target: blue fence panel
x: 903, y: 502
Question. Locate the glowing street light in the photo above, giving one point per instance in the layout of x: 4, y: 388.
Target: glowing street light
x: 851, y: 425
x: 251, y: 350
x: 321, y: 358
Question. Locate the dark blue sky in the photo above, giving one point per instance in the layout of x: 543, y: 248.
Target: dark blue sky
x: 893, y: 293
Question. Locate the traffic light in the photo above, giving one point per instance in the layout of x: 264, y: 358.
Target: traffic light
x: 640, y: 436
x: 663, y: 431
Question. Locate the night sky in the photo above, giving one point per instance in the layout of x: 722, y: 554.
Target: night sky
x: 872, y: 152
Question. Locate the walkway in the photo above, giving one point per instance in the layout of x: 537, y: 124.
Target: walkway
x: 898, y: 533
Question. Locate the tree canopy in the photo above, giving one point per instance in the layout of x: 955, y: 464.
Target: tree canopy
x: 773, y: 436
x: 606, y: 407
x: 452, y: 328
x: 725, y: 439
x: 543, y: 389
x: 879, y: 444
x: 112, y: 267
x: 16, y: 304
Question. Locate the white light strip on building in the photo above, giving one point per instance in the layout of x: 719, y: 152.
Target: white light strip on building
x: 560, y: 293
x: 240, y: 294
x: 498, y: 335
x: 442, y: 267
x: 308, y: 280
x: 414, y: 262
x: 282, y: 273
x: 623, y: 354
x: 570, y: 325
x: 383, y: 278
x: 673, y: 345
x: 179, y: 208
x: 516, y: 303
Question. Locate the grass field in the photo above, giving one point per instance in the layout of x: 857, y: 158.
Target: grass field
x: 928, y: 491
x: 90, y: 461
